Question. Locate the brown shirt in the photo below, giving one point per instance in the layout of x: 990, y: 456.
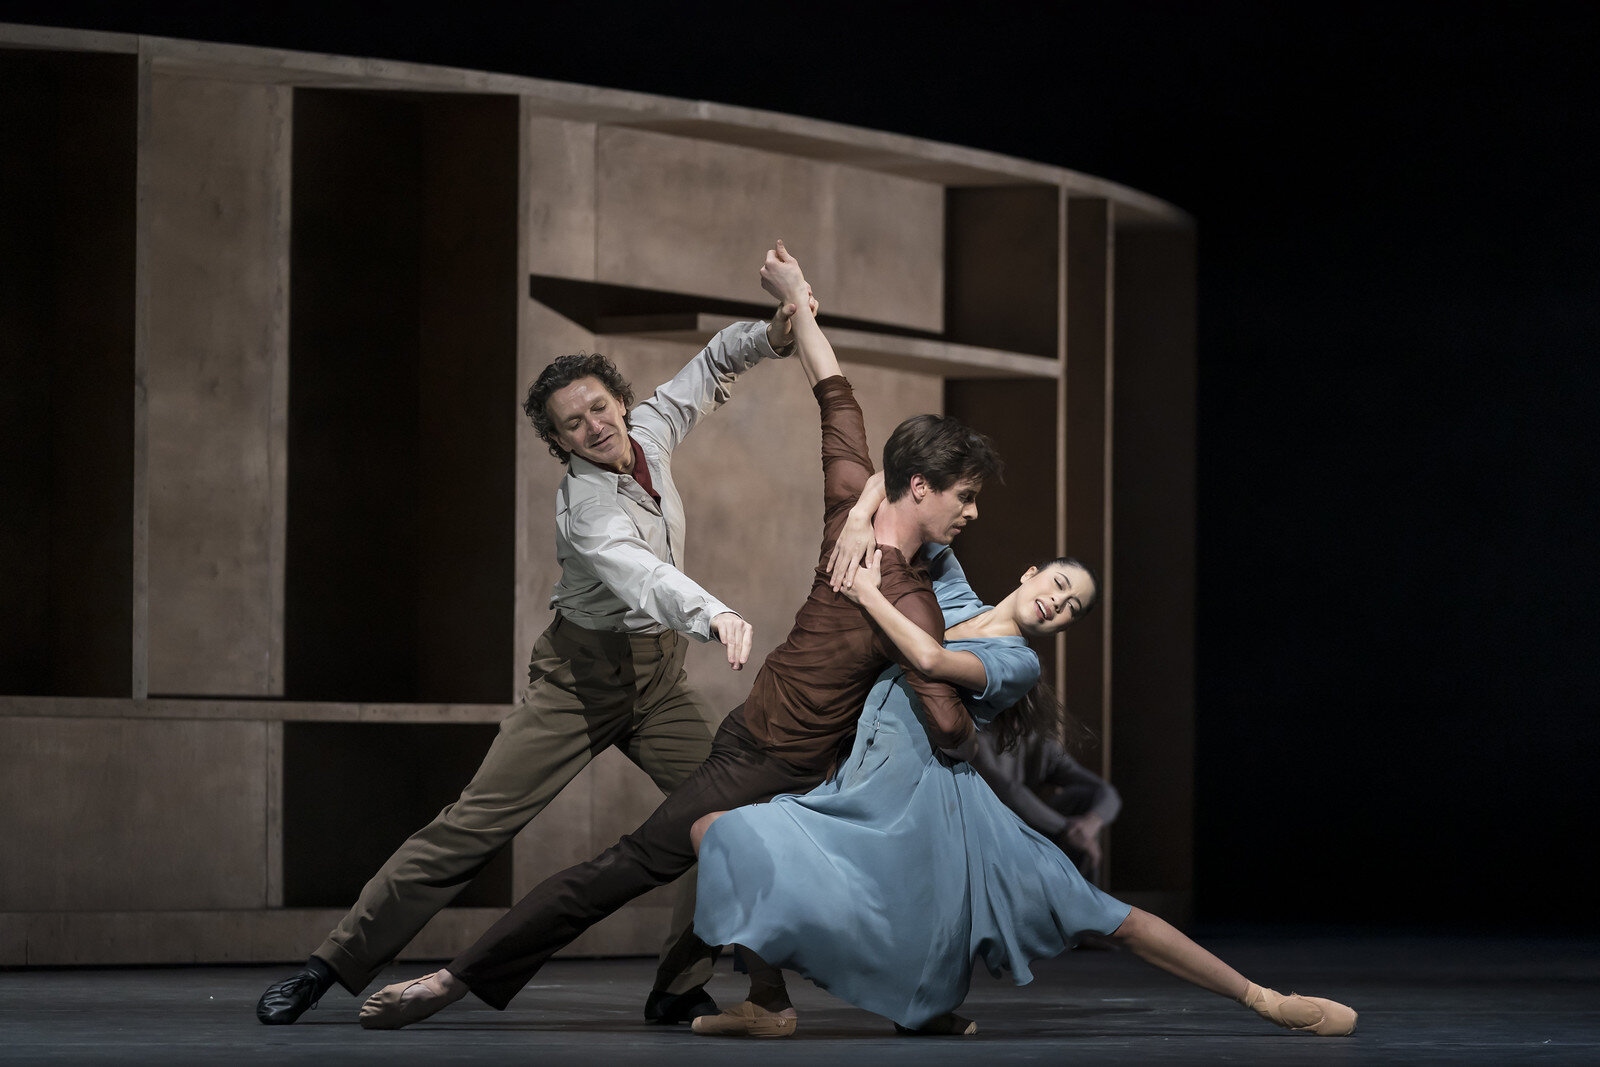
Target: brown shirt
x: 808, y: 694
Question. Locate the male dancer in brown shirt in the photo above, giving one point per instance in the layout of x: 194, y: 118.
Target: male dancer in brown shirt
x: 802, y: 708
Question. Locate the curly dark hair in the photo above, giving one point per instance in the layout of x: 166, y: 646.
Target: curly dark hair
x: 562, y: 373
x: 942, y: 450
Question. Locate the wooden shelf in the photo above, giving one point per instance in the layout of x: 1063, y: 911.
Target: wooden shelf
x: 943, y: 358
x: 45, y: 707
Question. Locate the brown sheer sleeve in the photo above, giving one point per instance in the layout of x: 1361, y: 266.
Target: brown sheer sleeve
x: 949, y: 726
x: 846, y: 461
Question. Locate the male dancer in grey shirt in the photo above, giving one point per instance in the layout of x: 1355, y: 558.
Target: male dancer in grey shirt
x: 607, y: 671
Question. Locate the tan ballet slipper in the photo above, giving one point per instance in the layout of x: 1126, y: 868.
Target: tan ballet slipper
x: 389, y: 1009
x: 748, y: 1020
x: 1313, y: 1015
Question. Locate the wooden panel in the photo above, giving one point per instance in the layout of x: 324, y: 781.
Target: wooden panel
x: 255, y: 710
x: 402, y: 412
x: 120, y: 938
x: 1015, y: 526
x: 353, y: 792
x: 132, y: 815
x: 467, y: 380
x: 914, y: 354
x: 68, y: 448
x: 1154, y: 541
x: 888, y: 249
x: 215, y: 184
x: 113, y: 938
x: 558, y: 187
x: 1001, y: 253
x: 695, y: 217
x: 273, y: 762
x: 928, y: 161
x: 349, y: 596
x: 689, y: 216
x: 1001, y: 291
x: 1085, y: 406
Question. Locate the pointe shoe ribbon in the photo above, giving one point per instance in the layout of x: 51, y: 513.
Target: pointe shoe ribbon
x: 1312, y: 1015
x: 748, y: 1020
x: 386, y: 1010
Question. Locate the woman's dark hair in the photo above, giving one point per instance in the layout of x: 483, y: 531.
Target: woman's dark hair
x: 942, y: 450
x: 562, y: 373
x: 1038, y: 713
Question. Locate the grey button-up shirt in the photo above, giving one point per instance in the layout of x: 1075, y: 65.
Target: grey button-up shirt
x: 621, y: 555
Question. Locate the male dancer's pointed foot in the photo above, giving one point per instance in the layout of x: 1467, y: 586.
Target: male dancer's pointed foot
x: 286, y: 1001
x: 1313, y: 1015
x: 748, y: 1020
x: 409, y: 1002
x: 947, y: 1025
x: 668, y: 1009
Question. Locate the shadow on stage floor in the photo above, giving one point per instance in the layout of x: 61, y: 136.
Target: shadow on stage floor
x: 1422, y: 999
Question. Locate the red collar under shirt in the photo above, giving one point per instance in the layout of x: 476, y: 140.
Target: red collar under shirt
x: 641, y: 472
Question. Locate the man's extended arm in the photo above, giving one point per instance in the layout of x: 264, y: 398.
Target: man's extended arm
x: 611, y: 546
x: 703, y: 385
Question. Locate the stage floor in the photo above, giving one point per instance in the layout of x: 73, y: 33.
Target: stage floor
x: 1423, y: 1000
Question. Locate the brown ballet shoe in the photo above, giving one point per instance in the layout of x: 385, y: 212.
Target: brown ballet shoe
x: 386, y: 1010
x: 947, y: 1025
x: 748, y: 1020
x: 1313, y: 1015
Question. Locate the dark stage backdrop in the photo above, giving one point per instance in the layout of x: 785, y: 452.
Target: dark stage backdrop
x: 1399, y: 326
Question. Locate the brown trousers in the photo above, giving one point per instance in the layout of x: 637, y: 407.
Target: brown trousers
x: 564, y: 905
x: 587, y: 690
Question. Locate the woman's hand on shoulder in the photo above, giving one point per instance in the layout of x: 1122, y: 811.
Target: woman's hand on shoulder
x: 852, y: 550
x: 866, y: 577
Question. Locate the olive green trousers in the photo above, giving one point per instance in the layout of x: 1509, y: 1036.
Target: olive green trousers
x: 587, y: 690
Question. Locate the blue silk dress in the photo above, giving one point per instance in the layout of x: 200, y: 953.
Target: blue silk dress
x: 887, y: 883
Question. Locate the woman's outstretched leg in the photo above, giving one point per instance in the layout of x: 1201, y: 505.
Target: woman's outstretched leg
x: 1160, y: 944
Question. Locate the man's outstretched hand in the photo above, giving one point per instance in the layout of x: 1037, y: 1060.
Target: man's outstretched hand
x: 736, y: 634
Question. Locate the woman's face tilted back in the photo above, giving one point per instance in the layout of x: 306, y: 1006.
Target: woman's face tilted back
x: 1051, y: 598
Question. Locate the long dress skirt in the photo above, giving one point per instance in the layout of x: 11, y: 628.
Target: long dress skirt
x: 885, y: 884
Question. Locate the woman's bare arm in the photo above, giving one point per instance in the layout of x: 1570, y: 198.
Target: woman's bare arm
x: 915, y: 644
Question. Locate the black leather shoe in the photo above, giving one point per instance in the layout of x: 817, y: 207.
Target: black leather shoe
x: 286, y: 1001
x: 669, y: 1009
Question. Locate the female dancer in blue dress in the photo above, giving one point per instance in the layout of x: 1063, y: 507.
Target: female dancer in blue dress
x: 888, y: 882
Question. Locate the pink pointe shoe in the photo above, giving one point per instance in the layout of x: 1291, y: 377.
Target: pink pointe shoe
x: 1312, y: 1015
x: 390, y: 1009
